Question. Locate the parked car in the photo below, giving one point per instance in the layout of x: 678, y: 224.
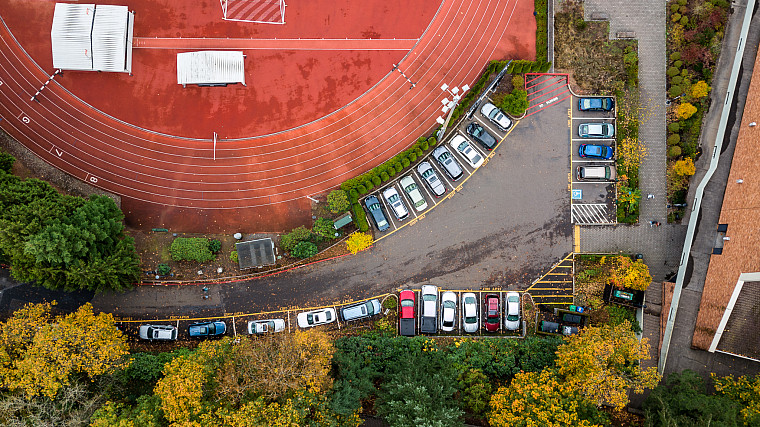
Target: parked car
x: 596, y: 173
x: 594, y: 151
x: 411, y: 190
x: 496, y: 116
x: 207, y: 329
x: 256, y: 327
x: 479, y: 134
x: 596, y: 130
x: 492, y: 312
x: 361, y: 310
x: 596, y: 104
x: 376, y: 213
x: 470, y: 312
x: 431, y: 179
x: 429, y: 316
x: 448, y: 163
x: 397, y: 205
x: 512, y: 317
x: 448, y: 311
x: 323, y: 316
x: 406, y: 324
x: 158, y: 332
x: 460, y: 144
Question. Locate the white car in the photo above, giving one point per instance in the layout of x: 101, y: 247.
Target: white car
x: 429, y: 315
x: 411, y: 190
x: 496, y: 116
x: 323, y: 316
x: 256, y: 327
x: 470, y: 312
x: 512, y: 318
x: 397, y: 205
x: 448, y: 311
x: 158, y: 332
x: 460, y: 144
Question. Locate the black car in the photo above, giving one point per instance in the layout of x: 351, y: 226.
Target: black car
x: 479, y: 134
x: 376, y: 212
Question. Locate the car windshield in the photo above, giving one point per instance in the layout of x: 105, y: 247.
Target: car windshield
x: 493, y: 113
x: 444, y: 156
x: 448, y: 324
x: 428, y: 297
x: 411, y: 187
x: 328, y: 316
x: 472, y: 319
x: 393, y: 198
x: 469, y: 300
x: 407, y: 303
x: 462, y: 146
x: 310, y: 318
x: 449, y: 304
x: 477, y: 130
x: 374, y: 206
x: 512, y: 317
x: 428, y: 173
x: 493, y: 320
x: 513, y: 299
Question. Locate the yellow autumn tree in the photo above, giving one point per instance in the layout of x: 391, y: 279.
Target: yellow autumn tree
x: 699, y: 89
x: 601, y: 363
x: 685, y: 110
x: 746, y: 391
x: 622, y: 272
x: 39, y: 354
x: 358, y: 242
x: 684, y: 167
x: 539, y: 399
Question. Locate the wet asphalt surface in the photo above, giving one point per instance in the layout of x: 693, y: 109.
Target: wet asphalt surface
x: 508, y: 225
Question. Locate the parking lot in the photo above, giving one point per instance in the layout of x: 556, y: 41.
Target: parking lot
x: 450, y: 184
x: 592, y: 200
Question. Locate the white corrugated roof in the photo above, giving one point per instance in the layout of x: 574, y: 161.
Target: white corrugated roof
x: 72, y: 46
x: 109, y: 38
x: 210, y: 67
x: 91, y: 38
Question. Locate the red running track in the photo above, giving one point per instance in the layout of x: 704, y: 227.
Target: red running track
x: 257, y: 183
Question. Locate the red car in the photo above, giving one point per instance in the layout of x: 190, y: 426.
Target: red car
x: 492, y: 312
x: 406, y: 323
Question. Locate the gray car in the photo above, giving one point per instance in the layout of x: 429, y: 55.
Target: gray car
x: 431, y: 179
x: 448, y: 162
x: 496, y: 116
x: 596, y: 130
x: 411, y: 190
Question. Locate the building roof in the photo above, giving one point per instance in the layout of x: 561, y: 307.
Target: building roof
x: 86, y: 37
x: 741, y: 212
x: 255, y: 253
x: 210, y: 67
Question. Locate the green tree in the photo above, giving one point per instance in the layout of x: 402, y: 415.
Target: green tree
x: 475, y: 391
x: 6, y: 162
x: 323, y: 227
x: 744, y: 390
x: 290, y: 240
x: 682, y: 400
x: 305, y: 250
x: 515, y: 103
x: 337, y: 200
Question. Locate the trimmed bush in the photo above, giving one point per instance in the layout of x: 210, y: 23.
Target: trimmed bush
x: 675, y: 90
x: 675, y: 56
x: 6, y: 162
x: 686, y: 110
x: 384, y: 176
x: 398, y: 167
x: 684, y: 20
x: 337, y: 201
x: 214, y: 246
x: 368, y: 184
x: 191, y: 249
x: 360, y: 217
x: 677, y: 80
x: 376, y: 180
x: 405, y: 161
x: 290, y: 240
x: 413, y: 156
x: 418, y: 152
x: 515, y: 103
x: 674, y: 8
x: 673, y: 71
x: 674, y: 151
x: 674, y: 139
x: 546, y: 66
x: 678, y: 64
x: 518, y: 81
x: 361, y: 189
x: 353, y: 195
x: 674, y: 127
x: 675, y: 17
x: 164, y: 269
x: 305, y: 250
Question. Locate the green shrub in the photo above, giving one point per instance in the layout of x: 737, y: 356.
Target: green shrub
x: 290, y: 240
x: 546, y: 66
x: 337, y: 201
x: 360, y: 217
x: 677, y: 80
x: 674, y: 151
x: 518, y: 81
x: 6, y: 162
x: 398, y: 167
x: 413, y: 156
x: 675, y: 17
x: 324, y: 227
x: 580, y: 24
x: 376, y: 180
x: 424, y: 145
x: 620, y: 314
x: 678, y: 64
x: 368, y: 184
x: 164, y: 269
x: 673, y: 71
x: 353, y: 195
x: 234, y: 256
x: 684, y: 20
x: 675, y: 56
x: 214, y: 246
x: 361, y: 189
x: 674, y: 8
x: 682, y: 2
x: 432, y: 141
x: 675, y: 90
x: 191, y: 249
x: 384, y: 176
x: 515, y: 103
x: 305, y: 250
x: 418, y: 152
x: 674, y: 127
x: 674, y: 139
x: 405, y: 161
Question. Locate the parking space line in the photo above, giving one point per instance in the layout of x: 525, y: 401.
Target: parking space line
x: 591, y: 140
x: 594, y: 161
x: 412, y: 209
x: 388, y: 209
x: 434, y: 200
x: 594, y: 118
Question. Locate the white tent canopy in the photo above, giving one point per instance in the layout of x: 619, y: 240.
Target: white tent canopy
x: 210, y: 68
x: 88, y: 37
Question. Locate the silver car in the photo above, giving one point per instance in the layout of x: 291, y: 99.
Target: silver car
x: 460, y: 144
x: 512, y: 318
x: 308, y: 319
x: 158, y: 332
x: 431, y: 179
x: 411, y: 190
x: 397, y: 205
x: 448, y: 162
x: 448, y: 311
x: 496, y: 116
x: 256, y: 327
x: 470, y: 312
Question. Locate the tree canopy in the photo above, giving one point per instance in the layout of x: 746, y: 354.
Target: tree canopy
x: 64, y: 242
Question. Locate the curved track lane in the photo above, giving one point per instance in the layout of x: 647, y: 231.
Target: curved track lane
x: 258, y: 177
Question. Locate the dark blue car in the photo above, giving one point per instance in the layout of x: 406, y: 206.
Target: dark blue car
x: 207, y: 329
x: 593, y: 151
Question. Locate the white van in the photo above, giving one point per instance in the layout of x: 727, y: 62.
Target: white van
x: 596, y: 173
x: 360, y: 311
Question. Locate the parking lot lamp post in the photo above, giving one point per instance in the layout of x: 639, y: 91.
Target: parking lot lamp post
x: 449, y: 106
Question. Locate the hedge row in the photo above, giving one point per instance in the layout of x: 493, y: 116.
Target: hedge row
x: 191, y: 249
